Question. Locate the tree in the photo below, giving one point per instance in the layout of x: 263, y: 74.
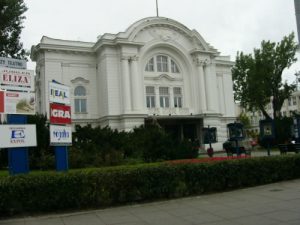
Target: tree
x: 244, y: 119
x: 258, y: 78
x: 11, y: 18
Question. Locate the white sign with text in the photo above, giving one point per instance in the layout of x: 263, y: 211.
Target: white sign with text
x: 16, y: 79
x: 59, y: 93
x: 60, y: 135
x: 13, y: 63
x: 16, y: 136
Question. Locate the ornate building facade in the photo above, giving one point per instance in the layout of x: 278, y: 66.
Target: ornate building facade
x: 158, y: 71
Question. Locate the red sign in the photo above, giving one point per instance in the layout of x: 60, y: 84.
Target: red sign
x: 60, y: 114
x: 1, y: 102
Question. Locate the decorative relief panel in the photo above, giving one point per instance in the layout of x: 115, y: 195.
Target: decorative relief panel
x: 164, y: 34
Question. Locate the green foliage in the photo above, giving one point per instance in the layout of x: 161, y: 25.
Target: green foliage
x: 11, y: 18
x: 97, y: 147
x: 49, y: 191
x: 94, y: 147
x: 42, y: 156
x: 258, y: 77
x: 244, y: 119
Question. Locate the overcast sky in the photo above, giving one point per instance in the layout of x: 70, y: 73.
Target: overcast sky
x: 228, y: 25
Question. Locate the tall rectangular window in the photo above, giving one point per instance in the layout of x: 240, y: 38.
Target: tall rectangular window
x: 162, y: 63
x: 80, y: 99
x: 177, y: 97
x: 164, y: 97
x: 150, y: 97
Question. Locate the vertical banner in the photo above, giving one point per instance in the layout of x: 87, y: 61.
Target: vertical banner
x: 1, y: 101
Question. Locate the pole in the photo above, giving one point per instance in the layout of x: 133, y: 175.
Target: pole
x: 61, y: 158
x: 157, y: 8
x: 18, y: 162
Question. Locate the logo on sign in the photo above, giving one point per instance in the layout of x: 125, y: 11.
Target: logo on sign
x: 15, y: 79
x: 17, y: 136
x: 61, y: 134
x: 60, y: 114
x: 59, y: 93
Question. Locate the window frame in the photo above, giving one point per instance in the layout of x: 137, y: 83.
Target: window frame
x: 80, y: 100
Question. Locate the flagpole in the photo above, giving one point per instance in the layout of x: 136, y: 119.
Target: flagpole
x: 157, y: 9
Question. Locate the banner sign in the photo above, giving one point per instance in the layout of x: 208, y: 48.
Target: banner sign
x: 60, y: 114
x: 15, y: 136
x: 13, y: 63
x: 17, y: 103
x: 59, y: 93
x: 60, y: 135
x: 1, y: 101
x: 15, y: 79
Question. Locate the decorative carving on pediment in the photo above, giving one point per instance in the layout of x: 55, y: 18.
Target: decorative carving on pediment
x: 163, y: 33
x: 80, y: 80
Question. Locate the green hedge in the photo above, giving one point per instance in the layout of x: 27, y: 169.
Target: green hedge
x: 50, y: 191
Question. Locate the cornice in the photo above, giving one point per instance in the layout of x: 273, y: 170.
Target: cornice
x: 102, y: 42
x: 42, y: 47
x: 225, y: 63
x: 213, y: 53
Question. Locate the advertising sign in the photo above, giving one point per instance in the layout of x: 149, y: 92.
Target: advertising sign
x: 1, y: 101
x: 16, y: 79
x: 60, y: 114
x: 60, y: 135
x: 59, y: 93
x: 15, y: 136
x: 17, y: 103
x: 13, y: 63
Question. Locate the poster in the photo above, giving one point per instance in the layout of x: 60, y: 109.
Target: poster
x: 17, y: 103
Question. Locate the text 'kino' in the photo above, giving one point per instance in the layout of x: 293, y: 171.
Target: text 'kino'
x: 58, y: 93
x: 14, y: 78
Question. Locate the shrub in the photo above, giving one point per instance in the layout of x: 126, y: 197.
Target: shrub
x: 49, y: 191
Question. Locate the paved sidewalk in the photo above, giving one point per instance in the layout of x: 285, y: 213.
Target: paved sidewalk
x: 272, y: 204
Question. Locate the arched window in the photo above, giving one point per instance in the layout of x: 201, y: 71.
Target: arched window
x: 80, y: 99
x: 150, y: 65
x: 162, y: 63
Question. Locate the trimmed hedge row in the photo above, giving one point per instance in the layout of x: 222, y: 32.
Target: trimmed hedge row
x: 50, y: 191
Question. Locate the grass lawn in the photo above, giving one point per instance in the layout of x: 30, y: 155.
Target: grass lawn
x: 3, y: 173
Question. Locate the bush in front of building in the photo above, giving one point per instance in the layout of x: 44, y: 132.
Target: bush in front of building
x: 102, y: 187
x: 95, y: 147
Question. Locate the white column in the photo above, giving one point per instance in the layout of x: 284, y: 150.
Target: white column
x: 201, y: 81
x: 221, y: 94
x: 211, y: 87
x: 137, y: 86
x: 157, y: 103
x: 171, y: 94
x: 126, y: 85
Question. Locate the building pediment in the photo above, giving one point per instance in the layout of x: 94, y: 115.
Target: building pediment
x: 159, y: 28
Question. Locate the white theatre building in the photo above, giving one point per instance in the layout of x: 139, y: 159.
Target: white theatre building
x: 157, y: 70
